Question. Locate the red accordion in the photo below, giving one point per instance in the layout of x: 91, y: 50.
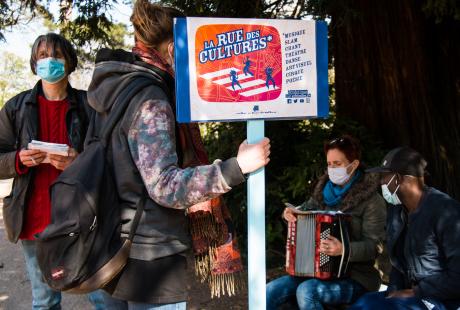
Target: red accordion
x: 303, y: 258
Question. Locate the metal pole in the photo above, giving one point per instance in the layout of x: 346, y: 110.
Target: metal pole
x: 256, y: 225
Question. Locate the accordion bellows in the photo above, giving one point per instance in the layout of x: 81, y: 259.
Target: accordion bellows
x: 303, y: 258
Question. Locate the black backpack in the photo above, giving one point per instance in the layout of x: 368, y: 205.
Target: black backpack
x: 81, y: 250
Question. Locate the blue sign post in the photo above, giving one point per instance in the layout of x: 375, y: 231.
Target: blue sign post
x: 256, y: 225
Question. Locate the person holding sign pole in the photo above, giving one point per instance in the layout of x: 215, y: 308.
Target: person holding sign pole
x: 164, y: 162
x: 347, y: 188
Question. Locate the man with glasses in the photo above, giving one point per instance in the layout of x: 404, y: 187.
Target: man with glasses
x: 423, y: 239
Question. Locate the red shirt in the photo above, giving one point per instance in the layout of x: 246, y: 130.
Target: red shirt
x: 51, y: 128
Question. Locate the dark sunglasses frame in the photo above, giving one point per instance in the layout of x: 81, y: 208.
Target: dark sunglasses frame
x: 338, y: 141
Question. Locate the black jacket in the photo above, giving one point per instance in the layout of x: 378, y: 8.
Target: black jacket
x: 424, y: 248
x: 18, y: 126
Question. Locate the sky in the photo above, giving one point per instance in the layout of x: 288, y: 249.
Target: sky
x: 19, y: 39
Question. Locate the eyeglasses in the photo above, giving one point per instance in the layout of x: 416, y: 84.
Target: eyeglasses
x: 338, y: 141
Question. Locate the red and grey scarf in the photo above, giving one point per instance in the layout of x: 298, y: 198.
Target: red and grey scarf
x: 217, y: 257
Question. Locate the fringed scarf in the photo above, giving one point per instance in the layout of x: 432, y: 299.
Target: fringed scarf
x: 217, y: 257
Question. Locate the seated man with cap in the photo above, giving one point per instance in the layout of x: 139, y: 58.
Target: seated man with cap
x: 423, y: 239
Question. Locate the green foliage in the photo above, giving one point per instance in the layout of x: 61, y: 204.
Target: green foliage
x: 226, y: 8
x: 14, y: 12
x: 15, y: 76
x: 93, y: 28
x: 440, y: 9
x: 244, y: 8
x: 113, y: 37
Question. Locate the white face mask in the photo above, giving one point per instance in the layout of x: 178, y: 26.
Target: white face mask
x: 339, y: 176
x: 388, y: 196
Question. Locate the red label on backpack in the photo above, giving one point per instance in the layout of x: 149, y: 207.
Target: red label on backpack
x: 57, y: 273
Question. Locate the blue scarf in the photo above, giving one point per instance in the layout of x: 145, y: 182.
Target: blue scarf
x: 333, y: 194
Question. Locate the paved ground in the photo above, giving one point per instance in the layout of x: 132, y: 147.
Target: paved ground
x: 15, y: 293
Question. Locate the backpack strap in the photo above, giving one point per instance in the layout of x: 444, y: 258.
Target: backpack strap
x: 133, y: 86
x: 137, y: 217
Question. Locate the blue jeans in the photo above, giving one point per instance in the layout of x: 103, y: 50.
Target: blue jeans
x: 118, y: 304
x: 378, y: 301
x: 96, y: 298
x: 312, y: 294
x: 43, y: 297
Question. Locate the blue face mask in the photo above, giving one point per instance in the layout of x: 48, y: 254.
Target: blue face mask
x: 51, y: 70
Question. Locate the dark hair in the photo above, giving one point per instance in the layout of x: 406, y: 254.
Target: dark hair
x: 347, y: 144
x: 55, y: 41
x: 153, y: 23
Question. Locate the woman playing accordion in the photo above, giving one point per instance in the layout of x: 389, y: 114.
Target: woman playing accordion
x: 344, y: 235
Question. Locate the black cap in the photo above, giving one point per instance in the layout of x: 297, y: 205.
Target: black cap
x: 402, y: 160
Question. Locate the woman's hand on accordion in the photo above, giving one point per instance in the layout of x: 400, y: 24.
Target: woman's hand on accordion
x: 288, y: 215
x: 331, y: 246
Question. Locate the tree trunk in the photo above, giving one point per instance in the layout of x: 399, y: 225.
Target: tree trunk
x: 397, y: 73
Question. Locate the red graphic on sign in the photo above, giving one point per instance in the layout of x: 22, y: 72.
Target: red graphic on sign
x: 238, y: 63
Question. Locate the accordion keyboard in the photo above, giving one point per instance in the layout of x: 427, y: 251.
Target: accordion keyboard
x: 324, y: 259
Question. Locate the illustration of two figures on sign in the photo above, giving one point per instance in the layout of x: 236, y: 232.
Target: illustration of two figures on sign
x: 246, y: 70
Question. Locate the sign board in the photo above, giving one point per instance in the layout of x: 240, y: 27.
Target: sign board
x: 231, y: 69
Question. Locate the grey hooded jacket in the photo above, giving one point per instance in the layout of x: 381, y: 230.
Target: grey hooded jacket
x: 163, y: 229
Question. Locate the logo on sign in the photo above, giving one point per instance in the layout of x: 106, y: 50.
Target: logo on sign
x: 298, y: 96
